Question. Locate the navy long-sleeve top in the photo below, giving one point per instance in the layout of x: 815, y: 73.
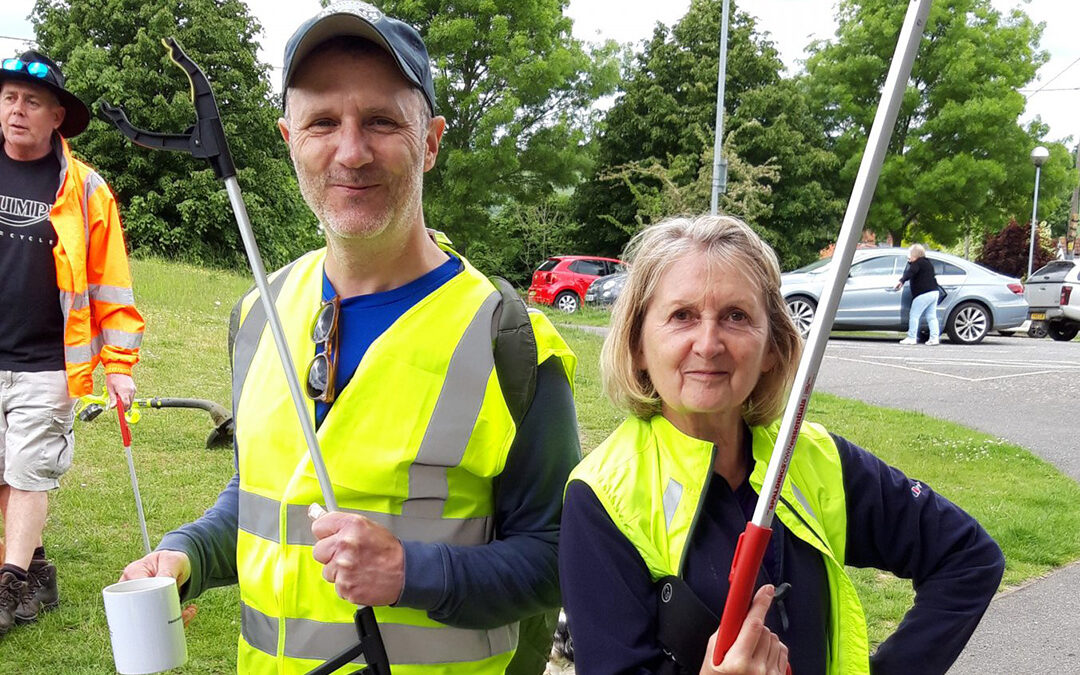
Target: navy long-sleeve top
x: 894, y: 523
x: 473, y: 587
x: 921, y: 275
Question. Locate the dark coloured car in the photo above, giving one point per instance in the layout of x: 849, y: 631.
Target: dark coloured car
x: 562, y: 280
x: 605, y: 291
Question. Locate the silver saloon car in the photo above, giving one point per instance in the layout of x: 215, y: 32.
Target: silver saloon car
x: 979, y: 300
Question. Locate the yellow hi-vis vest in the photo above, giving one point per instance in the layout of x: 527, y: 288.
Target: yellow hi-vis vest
x: 651, y: 479
x: 413, y: 442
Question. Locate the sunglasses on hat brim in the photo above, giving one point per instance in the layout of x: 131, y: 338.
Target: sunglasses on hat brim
x: 35, y: 68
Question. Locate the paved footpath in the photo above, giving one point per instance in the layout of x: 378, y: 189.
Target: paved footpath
x: 1023, y: 390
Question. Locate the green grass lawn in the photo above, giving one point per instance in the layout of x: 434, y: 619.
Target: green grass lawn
x: 1031, y: 509
x: 585, y: 316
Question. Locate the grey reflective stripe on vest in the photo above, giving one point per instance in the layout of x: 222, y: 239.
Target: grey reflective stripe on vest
x: 78, y: 353
x: 116, y: 295
x: 454, y: 416
x: 74, y: 301
x: 260, y: 516
x: 121, y: 338
x: 802, y: 500
x: 90, y: 184
x: 672, y: 495
x: 247, y: 338
x: 405, y: 645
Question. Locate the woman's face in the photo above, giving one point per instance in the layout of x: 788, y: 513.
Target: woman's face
x: 704, y: 340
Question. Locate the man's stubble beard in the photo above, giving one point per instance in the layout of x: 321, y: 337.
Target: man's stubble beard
x: 345, y: 224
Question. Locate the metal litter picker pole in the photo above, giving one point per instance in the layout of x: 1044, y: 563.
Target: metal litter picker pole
x: 206, y: 140
x: 125, y: 434
x: 750, y: 549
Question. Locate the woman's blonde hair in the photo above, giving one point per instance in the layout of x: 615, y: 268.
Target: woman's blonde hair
x: 917, y: 251
x: 723, y: 239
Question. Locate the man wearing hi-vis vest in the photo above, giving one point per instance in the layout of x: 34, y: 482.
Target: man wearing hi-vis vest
x: 449, y: 482
x: 66, y: 305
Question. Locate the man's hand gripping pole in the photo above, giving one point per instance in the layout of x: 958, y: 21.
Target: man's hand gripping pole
x: 752, y: 543
x: 206, y: 140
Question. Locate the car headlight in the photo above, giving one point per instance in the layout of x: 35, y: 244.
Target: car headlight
x: 608, y: 284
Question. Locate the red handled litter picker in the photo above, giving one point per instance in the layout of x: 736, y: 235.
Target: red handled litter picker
x: 752, y: 543
x: 206, y: 140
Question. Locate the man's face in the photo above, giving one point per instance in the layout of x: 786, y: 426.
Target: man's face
x: 358, y: 139
x: 29, y: 114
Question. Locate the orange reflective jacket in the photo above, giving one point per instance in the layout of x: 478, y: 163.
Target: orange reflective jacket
x: 100, y: 319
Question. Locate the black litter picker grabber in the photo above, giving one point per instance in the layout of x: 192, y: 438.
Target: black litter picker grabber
x: 206, y: 140
x: 90, y: 406
x: 750, y: 549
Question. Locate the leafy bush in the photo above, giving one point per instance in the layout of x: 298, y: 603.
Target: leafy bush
x: 1007, y: 251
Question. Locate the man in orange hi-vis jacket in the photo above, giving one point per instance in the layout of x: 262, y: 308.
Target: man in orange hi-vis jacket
x: 60, y: 239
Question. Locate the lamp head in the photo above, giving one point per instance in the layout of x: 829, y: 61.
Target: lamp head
x: 1039, y: 155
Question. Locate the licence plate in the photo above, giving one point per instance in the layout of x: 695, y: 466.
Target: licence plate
x: 589, y: 297
x: 1037, y: 316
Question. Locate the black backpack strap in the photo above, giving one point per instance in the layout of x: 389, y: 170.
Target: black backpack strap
x: 515, y: 351
x: 685, y: 624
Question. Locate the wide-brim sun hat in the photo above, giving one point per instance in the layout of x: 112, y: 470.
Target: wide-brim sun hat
x: 76, y: 115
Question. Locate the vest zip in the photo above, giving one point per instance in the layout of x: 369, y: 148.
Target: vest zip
x: 806, y: 524
x: 697, y: 511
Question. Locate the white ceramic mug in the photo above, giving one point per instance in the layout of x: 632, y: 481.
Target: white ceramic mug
x: 145, y: 625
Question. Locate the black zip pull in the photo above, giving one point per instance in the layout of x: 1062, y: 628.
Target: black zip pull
x: 778, y: 600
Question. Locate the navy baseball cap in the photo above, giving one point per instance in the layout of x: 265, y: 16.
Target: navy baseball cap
x: 36, y: 68
x: 359, y: 19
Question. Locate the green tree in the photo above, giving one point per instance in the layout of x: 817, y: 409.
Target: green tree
x: 172, y: 205
x: 958, y: 158
x: 516, y: 90
x: 523, y: 235
x: 666, y: 117
x: 659, y: 191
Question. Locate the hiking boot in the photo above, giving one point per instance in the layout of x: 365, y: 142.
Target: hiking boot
x: 41, y: 593
x: 11, y: 593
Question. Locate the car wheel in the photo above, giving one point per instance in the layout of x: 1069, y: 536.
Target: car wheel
x: 802, y: 311
x: 969, y: 323
x: 1062, y: 332
x: 567, y: 301
x: 1037, y: 329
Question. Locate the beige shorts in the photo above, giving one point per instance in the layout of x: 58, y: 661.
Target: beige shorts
x: 36, y: 440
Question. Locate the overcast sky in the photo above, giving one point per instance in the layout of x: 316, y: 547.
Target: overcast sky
x: 792, y: 24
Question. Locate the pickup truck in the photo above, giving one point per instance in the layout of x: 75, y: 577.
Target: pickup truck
x: 1053, y: 295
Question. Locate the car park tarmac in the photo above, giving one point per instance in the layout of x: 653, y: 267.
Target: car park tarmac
x: 1024, y: 390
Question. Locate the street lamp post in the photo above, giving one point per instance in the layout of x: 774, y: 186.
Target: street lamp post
x: 1038, y: 157
x: 719, y: 181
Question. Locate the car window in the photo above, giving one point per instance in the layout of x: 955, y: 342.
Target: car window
x: 816, y: 265
x: 942, y: 267
x: 548, y: 265
x: 594, y: 267
x: 1056, y: 270
x: 617, y: 267
x: 880, y: 266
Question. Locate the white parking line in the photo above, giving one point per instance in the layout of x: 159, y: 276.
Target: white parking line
x: 884, y: 361
x: 987, y: 362
x: 898, y: 367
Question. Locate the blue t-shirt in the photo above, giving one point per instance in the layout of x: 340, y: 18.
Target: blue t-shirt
x: 364, y: 318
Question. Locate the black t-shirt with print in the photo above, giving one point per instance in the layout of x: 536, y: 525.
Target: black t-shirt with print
x: 31, y: 321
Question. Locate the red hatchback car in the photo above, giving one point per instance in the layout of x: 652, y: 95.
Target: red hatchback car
x: 562, y: 280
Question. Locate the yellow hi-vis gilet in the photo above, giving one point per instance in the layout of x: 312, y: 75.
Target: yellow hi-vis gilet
x: 651, y: 479
x: 413, y: 442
